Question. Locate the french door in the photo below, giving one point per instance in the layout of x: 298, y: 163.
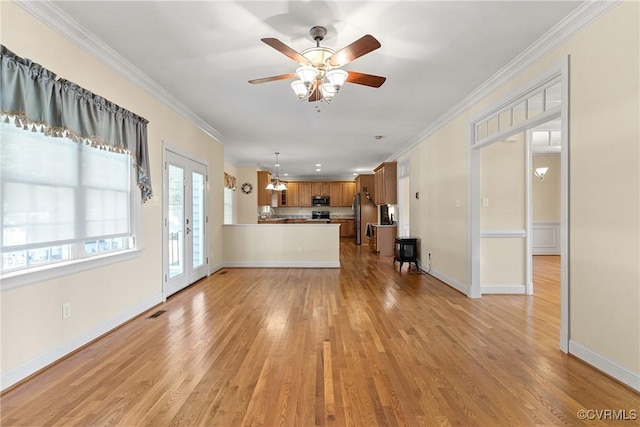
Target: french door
x: 185, y: 222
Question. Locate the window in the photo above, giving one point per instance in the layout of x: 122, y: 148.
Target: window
x: 228, y: 206
x: 62, y: 200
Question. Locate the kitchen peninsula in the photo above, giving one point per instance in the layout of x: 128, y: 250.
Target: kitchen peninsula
x: 282, y: 245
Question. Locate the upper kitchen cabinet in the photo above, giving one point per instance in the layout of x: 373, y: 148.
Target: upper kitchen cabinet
x: 365, y: 183
x: 335, y: 194
x: 290, y: 196
x: 341, y: 193
x: 386, y: 186
x: 348, y: 191
x: 304, y: 192
x: 264, y: 196
x: 320, y: 188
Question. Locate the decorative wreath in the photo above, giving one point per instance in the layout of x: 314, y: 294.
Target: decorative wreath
x: 246, y: 188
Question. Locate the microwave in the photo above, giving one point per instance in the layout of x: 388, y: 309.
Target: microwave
x: 320, y: 201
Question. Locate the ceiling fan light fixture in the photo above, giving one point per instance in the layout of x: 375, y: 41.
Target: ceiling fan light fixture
x: 328, y: 91
x: 336, y: 78
x: 307, y: 75
x: 300, y: 89
x: 319, y: 75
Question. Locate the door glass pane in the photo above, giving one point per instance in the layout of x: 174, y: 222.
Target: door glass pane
x: 176, y: 220
x: 198, y: 219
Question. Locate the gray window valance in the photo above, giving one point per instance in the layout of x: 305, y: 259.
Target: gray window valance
x: 35, y: 99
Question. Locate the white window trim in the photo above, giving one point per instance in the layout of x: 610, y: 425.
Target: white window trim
x: 53, y: 271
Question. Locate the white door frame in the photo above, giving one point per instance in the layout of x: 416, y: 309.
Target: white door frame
x: 561, y: 70
x: 189, y: 277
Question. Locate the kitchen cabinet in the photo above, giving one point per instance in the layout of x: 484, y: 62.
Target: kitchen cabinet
x: 350, y: 228
x: 365, y: 183
x: 348, y: 191
x: 304, y: 191
x: 347, y: 227
x: 264, y: 196
x: 300, y: 193
x: 341, y: 193
x: 290, y: 196
x: 384, y: 237
x: 320, y: 188
x: 335, y: 194
x: 386, y: 186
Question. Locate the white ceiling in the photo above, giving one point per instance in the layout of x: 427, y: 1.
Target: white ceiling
x: 433, y: 54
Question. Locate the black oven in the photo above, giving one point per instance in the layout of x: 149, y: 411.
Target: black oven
x: 320, y: 201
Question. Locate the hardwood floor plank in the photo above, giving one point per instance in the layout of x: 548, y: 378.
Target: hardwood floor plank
x: 362, y: 345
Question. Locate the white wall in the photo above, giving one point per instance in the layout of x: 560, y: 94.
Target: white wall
x: 33, y: 333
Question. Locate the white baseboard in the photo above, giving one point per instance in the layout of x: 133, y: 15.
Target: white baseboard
x: 214, y: 268
x: 283, y: 264
x: 45, y: 359
x: 621, y: 373
x: 503, y: 289
x: 450, y: 282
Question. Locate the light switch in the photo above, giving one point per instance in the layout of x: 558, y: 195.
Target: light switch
x: 458, y: 203
x: 485, y: 202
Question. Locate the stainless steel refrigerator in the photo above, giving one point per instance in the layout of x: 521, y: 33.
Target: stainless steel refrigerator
x: 364, y: 212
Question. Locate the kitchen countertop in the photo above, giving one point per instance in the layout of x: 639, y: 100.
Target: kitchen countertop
x: 308, y: 218
x: 384, y: 225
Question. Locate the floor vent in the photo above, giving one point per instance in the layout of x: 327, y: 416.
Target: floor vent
x: 157, y: 314
x: 223, y: 272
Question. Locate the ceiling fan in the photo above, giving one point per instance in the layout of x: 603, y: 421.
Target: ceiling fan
x: 319, y: 74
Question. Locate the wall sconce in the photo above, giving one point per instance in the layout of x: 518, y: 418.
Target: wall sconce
x: 540, y: 172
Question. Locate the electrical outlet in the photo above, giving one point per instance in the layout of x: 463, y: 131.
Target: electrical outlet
x: 66, y: 310
x: 299, y: 249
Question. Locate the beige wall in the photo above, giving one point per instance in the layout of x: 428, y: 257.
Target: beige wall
x: 282, y: 245
x: 503, y: 186
x: 604, y: 229
x: 502, y: 257
x: 545, y: 194
x: 248, y: 203
x: 32, y: 325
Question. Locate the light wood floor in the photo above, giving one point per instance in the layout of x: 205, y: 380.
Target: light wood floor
x: 365, y: 345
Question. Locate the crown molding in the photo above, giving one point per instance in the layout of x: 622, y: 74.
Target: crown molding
x: 49, y: 14
x: 581, y: 17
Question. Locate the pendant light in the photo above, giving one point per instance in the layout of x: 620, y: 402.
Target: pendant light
x: 275, y: 183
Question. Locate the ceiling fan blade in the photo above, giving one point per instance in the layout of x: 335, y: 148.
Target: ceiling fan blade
x: 360, y: 47
x: 273, y: 79
x: 315, y: 95
x: 286, y: 50
x: 365, y: 79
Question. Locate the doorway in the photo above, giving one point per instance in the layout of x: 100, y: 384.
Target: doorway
x: 545, y: 99
x: 185, y: 251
